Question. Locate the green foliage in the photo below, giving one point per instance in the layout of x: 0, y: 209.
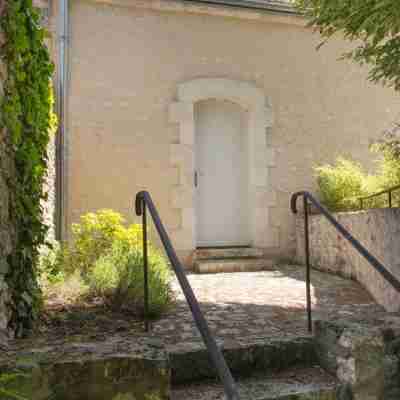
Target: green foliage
x: 388, y: 147
x: 341, y: 184
x: 95, y: 235
x: 26, y: 113
x: 105, y: 260
x: 117, y: 277
x: 51, y: 261
x: 7, y: 381
x: 374, y: 27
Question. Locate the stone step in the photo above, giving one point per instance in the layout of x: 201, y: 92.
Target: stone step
x: 191, y: 363
x: 294, y: 384
x: 117, y: 368
x: 227, y: 252
x: 250, y: 264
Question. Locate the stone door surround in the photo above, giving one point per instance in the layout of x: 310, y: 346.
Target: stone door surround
x: 260, y: 116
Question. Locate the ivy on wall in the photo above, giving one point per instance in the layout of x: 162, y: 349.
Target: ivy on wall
x: 26, y: 114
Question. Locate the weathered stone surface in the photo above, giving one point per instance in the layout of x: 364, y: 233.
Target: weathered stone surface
x: 355, y: 354
x: 232, y: 252
x: 310, y: 383
x: 245, y: 358
x: 391, y: 334
x: 115, y: 369
x: 378, y: 230
x: 7, y: 231
x: 240, y: 264
x: 392, y: 377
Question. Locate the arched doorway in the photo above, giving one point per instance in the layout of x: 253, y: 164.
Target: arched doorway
x: 215, y: 98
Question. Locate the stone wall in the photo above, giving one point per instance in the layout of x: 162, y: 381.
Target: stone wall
x: 378, y: 230
x: 7, y: 231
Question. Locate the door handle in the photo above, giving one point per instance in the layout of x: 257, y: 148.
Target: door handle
x: 195, y: 179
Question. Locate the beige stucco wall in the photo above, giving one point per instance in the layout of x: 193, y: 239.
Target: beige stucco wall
x: 377, y: 230
x: 126, y: 64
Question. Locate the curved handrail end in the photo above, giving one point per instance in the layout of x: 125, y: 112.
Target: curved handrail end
x: 293, y: 200
x: 139, y: 202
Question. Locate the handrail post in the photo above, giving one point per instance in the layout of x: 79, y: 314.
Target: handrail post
x: 308, y: 266
x: 390, y: 198
x: 145, y: 268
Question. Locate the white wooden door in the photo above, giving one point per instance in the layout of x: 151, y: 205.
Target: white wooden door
x: 221, y: 174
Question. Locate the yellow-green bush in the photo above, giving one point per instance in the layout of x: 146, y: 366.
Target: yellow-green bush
x: 107, y: 256
x: 95, y: 235
x: 340, y: 185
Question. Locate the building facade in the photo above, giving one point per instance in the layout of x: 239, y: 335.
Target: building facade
x: 219, y: 109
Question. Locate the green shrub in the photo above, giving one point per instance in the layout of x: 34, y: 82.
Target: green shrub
x: 105, y: 260
x: 94, y: 236
x: 388, y: 148
x: 117, y: 277
x: 341, y: 185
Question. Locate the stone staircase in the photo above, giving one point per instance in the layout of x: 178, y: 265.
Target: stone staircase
x: 339, y: 362
x: 230, y: 259
x: 353, y: 353
x: 288, y: 368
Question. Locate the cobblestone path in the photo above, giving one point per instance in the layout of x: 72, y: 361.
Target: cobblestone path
x: 242, y: 306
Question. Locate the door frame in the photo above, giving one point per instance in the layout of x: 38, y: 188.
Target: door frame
x: 260, y: 157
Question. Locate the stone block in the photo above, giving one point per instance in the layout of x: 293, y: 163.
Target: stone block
x: 355, y: 354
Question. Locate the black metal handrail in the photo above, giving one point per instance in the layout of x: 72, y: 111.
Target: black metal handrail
x: 143, y: 201
x: 377, y: 265
x: 371, y: 196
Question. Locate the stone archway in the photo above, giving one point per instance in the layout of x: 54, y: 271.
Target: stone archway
x: 260, y: 116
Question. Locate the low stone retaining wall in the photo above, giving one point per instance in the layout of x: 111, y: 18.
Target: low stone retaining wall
x: 378, y: 230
